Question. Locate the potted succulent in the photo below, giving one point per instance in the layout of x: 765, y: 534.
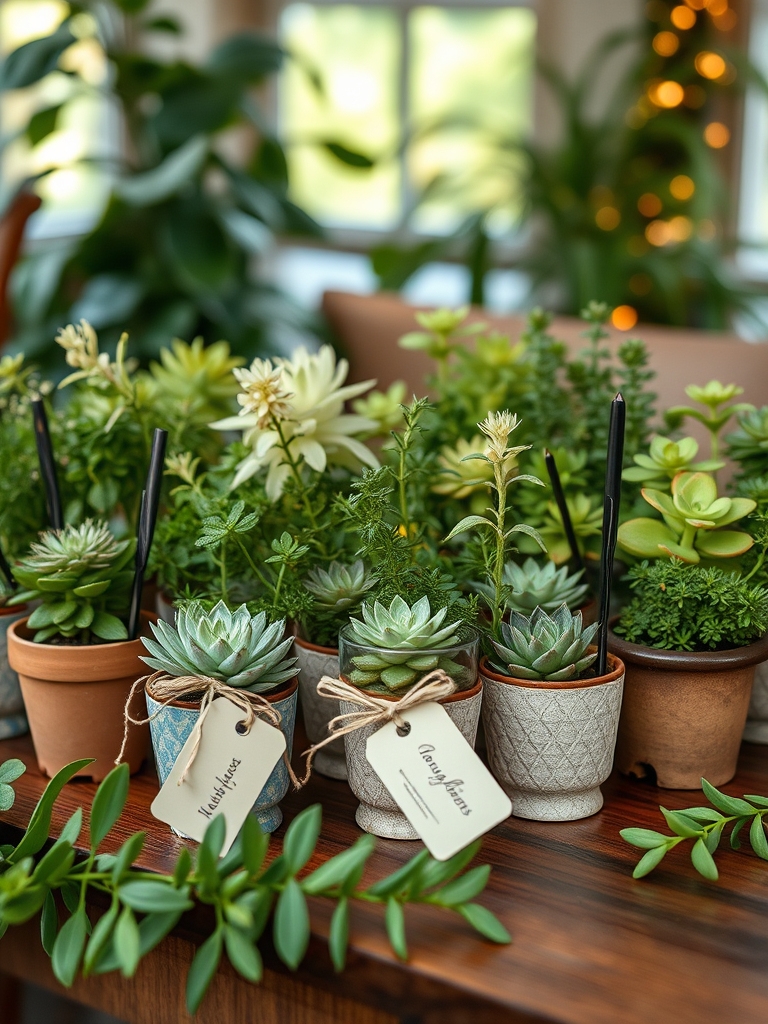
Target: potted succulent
x: 385, y: 653
x: 690, y: 637
x: 75, y: 662
x: 530, y: 586
x: 241, y: 650
x: 337, y: 592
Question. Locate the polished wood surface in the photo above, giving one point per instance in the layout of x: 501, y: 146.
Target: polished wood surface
x: 591, y: 945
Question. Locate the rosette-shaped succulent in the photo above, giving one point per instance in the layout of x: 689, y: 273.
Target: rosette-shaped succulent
x: 748, y: 444
x: 460, y: 476
x: 694, y: 517
x: 405, y: 642
x: 665, y: 459
x: 240, y: 649
x: 339, y: 587
x: 80, y: 577
x: 532, y: 585
x: 545, y: 647
x: 198, y: 377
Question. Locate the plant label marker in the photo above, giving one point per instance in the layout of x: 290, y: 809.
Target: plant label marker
x: 150, y: 500
x: 611, y: 505
x: 47, y: 464
x: 229, y: 771
x: 437, y: 780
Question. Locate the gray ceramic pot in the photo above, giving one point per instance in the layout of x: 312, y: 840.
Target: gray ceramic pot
x: 378, y: 813
x: 314, y: 663
x: 13, y: 720
x: 550, y: 745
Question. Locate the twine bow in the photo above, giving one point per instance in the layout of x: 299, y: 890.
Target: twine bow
x: 165, y: 689
x: 376, y: 710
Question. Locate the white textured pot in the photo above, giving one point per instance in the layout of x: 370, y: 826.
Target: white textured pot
x: 13, y: 719
x: 756, y: 729
x: 378, y: 813
x: 314, y: 663
x: 550, y: 745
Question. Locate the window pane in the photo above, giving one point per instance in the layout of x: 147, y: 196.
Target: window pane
x: 474, y: 67
x: 357, y: 52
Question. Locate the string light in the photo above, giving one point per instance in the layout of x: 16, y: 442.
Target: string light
x: 624, y: 318
x: 726, y: 21
x: 667, y: 94
x: 710, y: 65
x: 683, y: 17
x: 607, y: 218
x: 682, y: 187
x: 697, y: 5
x: 668, y: 232
x: 649, y: 204
x: 716, y: 7
x: 717, y: 135
x: 666, y: 43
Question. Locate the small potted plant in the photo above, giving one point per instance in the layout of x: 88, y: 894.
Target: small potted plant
x: 241, y: 650
x: 690, y: 637
x: 337, y: 592
x: 75, y: 662
x: 385, y: 653
x: 530, y: 586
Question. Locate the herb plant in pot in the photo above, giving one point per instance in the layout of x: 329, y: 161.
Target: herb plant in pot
x: 75, y: 662
x: 384, y: 654
x: 691, y: 638
x: 337, y: 592
x: 243, y: 651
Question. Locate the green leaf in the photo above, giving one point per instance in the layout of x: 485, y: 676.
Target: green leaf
x: 34, y: 60
x: 255, y: 844
x: 337, y: 870
x: 464, y: 888
x: 108, y: 803
x: 400, y: 879
x: 291, y: 928
x: 483, y: 921
x: 705, y: 814
x: 41, y: 124
x: 182, y: 868
x: 100, y: 936
x: 213, y: 840
x: 152, y: 930
x: 59, y: 855
x: 395, y: 922
x: 301, y: 837
x: 108, y: 627
x: 7, y: 796
x: 437, y: 872
x: 38, y: 829
x: 348, y: 156
x: 202, y: 970
x: 126, y: 943
x: 155, y: 896
x: 127, y: 854
x: 645, y: 838
x: 71, y: 831
x: 467, y: 523
x: 338, y: 937
x: 68, y: 947
x: 681, y: 825
x: 703, y: 861
x: 738, y: 826
x: 178, y: 168
x: 242, y: 953
x: 712, y: 841
x: 91, y: 589
x: 649, y: 861
x: 49, y: 923
x: 11, y: 770
x: 759, y: 801
x: 723, y: 802
x: 757, y: 837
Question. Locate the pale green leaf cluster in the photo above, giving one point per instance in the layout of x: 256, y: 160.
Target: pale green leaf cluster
x: 667, y: 458
x: 339, y: 587
x: 532, y: 585
x: 544, y: 647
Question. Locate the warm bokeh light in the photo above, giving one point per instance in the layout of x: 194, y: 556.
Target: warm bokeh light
x: 726, y: 21
x: 656, y: 232
x: 695, y: 97
x: 607, y: 218
x: 710, y: 65
x: 667, y: 94
x: 640, y: 284
x: 717, y: 135
x: 682, y: 187
x: 649, y: 204
x: 624, y: 318
x: 680, y: 229
x: 697, y: 5
x: 666, y: 43
x: 683, y: 17
x: 716, y: 7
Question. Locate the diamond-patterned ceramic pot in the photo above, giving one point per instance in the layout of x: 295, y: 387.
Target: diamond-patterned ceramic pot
x: 175, y: 721
x: 550, y: 745
x: 13, y: 720
x: 378, y: 813
x: 314, y: 663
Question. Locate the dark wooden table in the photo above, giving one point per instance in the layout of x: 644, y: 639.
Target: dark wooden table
x: 590, y: 944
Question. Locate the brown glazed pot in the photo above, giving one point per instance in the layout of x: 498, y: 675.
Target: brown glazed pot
x: 684, y: 712
x: 75, y: 699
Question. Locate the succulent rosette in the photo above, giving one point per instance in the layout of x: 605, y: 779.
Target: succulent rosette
x: 545, y: 647
x: 665, y: 459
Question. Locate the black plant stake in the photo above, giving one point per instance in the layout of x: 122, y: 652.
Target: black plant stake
x: 565, y: 515
x: 6, y: 571
x: 47, y: 465
x: 611, y: 506
x: 150, y: 499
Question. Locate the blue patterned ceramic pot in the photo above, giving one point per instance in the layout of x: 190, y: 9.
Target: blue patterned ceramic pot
x: 13, y: 720
x: 174, y: 723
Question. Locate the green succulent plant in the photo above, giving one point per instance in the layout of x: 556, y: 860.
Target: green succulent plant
x: 532, y: 585
x: 712, y: 396
x: 667, y: 458
x: 693, y: 519
x: 406, y: 641
x: 339, y: 587
x: 545, y: 647
x: 198, y: 378
x: 748, y: 444
x: 240, y: 649
x: 80, y: 577
x: 587, y: 518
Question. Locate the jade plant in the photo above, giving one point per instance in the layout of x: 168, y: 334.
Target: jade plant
x: 748, y: 444
x: 718, y: 407
x: 240, y: 649
x: 403, y: 643
x: 244, y: 888
x: 81, y: 577
x: 337, y: 592
x: 704, y: 827
x: 544, y: 647
x: 531, y: 585
x: 693, y: 520
x: 667, y: 458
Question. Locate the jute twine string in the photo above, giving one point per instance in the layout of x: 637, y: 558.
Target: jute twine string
x: 375, y: 710
x: 166, y: 689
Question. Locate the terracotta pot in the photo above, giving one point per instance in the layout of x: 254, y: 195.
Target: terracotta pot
x: 378, y: 813
x: 173, y: 723
x: 75, y: 699
x: 314, y: 663
x: 756, y: 729
x: 550, y: 745
x: 684, y: 712
x: 13, y: 721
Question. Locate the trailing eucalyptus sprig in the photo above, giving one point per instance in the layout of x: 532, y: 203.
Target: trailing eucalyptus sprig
x: 241, y: 888
x: 705, y: 825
